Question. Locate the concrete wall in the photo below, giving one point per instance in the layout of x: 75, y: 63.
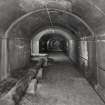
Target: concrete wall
x: 0, y: 57
x: 17, y: 56
x: 19, y: 53
x: 100, y: 51
x: 72, y: 50
x: 92, y: 61
x: 87, y: 58
x: 83, y: 56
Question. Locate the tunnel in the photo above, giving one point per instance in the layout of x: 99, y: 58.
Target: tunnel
x: 69, y: 35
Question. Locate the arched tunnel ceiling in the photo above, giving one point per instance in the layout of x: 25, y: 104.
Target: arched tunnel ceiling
x: 91, y: 11
x: 53, y: 31
x: 27, y: 25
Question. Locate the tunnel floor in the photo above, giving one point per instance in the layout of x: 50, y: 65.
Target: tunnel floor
x: 62, y: 84
x: 58, y: 56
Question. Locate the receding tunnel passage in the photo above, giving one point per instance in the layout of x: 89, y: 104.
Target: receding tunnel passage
x: 54, y: 40
x: 53, y: 45
x: 52, y: 52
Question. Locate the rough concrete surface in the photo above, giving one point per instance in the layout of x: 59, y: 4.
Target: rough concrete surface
x: 62, y: 84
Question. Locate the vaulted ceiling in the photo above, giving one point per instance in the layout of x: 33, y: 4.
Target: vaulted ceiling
x: 83, y: 17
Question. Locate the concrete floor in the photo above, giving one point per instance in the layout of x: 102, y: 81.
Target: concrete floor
x: 58, y: 57
x: 62, y: 84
